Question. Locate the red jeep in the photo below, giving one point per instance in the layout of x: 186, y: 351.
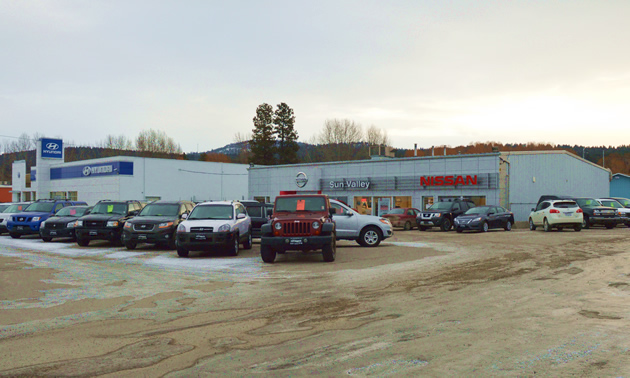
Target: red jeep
x: 299, y: 223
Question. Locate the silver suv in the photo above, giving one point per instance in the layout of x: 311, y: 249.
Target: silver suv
x: 213, y: 224
x: 367, y: 230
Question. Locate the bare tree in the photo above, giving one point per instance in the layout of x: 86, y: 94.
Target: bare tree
x: 242, y: 140
x: 375, y: 136
x: 155, y: 142
x: 341, y: 140
x: 120, y: 142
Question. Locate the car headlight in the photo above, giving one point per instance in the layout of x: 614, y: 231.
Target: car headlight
x: 35, y: 219
x: 78, y: 223
x: 72, y: 224
x: 596, y: 212
x: 127, y: 225
x: 315, y: 225
x: 224, y: 228
x: 43, y: 225
x: 112, y: 224
x: 181, y: 228
x: 386, y: 221
x: 476, y: 219
x: 165, y: 225
x: 277, y: 226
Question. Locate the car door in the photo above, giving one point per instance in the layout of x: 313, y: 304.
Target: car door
x: 503, y: 216
x: 346, y: 221
x: 539, y: 213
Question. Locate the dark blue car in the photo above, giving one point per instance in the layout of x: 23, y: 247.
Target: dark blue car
x: 29, y: 221
x: 483, y: 218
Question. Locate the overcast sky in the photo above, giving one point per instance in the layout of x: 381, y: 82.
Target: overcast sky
x: 429, y: 72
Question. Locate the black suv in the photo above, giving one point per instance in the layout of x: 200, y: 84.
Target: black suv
x: 441, y: 214
x: 596, y: 214
x: 258, y: 212
x: 62, y: 224
x: 106, y: 221
x: 156, y: 224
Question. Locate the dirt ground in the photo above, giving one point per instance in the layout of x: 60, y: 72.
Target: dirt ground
x: 516, y: 303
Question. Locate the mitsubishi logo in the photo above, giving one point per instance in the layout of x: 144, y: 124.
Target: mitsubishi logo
x: 86, y: 171
x: 52, y: 146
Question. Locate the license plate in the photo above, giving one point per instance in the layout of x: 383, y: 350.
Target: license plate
x: 53, y: 232
x: 200, y: 237
x: 142, y: 237
x: 296, y: 242
x: 93, y: 233
x: 20, y: 228
x: 568, y: 214
x: 426, y: 222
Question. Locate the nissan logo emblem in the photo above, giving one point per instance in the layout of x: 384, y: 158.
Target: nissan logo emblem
x: 52, y: 146
x: 87, y: 171
x: 301, y: 180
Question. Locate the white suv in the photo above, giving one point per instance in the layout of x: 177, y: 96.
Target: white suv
x: 556, y: 214
x: 622, y: 211
x: 213, y: 224
x: 13, y: 208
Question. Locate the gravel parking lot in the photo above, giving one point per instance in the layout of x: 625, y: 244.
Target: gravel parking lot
x: 516, y: 303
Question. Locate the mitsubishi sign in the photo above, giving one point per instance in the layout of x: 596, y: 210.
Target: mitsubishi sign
x: 52, y: 148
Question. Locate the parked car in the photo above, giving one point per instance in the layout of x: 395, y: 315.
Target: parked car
x: 367, y: 230
x: 13, y: 209
x: 622, y: 211
x: 624, y: 201
x: 62, y: 224
x: 156, y: 223
x: 4, y: 206
x: 29, y: 221
x: 484, y: 218
x: 215, y: 224
x: 557, y: 214
x: 442, y: 214
x: 596, y: 214
x: 106, y: 221
x: 403, y: 217
x: 259, y: 213
x: 300, y: 222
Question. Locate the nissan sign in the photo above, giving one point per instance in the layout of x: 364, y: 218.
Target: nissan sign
x: 301, y: 180
x: 52, y: 148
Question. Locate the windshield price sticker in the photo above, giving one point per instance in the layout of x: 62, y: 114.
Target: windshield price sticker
x: 300, y: 204
x: 110, y: 208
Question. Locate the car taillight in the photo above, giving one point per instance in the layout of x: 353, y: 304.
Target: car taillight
x: 579, y: 211
x: 554, y: 211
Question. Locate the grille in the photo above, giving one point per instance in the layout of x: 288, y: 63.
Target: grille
x: 464, y: 221
x: 296, y: 228
x: 23, y: 219
x: 94, y: 224
x: 143, y: 227
x: 55, y: 225
x: 426, y: 215
x: 201, y: 229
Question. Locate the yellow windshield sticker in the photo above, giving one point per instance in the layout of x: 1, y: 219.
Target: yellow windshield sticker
x: 110, y: 208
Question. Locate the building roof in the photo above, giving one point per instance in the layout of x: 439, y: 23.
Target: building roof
x: 621, y: 174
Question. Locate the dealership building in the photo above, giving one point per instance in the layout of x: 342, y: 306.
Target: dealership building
x: 124, y: 178
x: 514, y: 180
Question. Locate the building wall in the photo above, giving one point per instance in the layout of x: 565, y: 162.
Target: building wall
x: 533, y: 174
x: 620, y: 186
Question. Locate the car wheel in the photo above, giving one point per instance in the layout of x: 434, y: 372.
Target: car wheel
x: 421, y: 228
x: 446, y: 225
x: 485, y: 227
x: 172, y: 243
x: 117, y: 242
x: 130, y: 245
x: 83, y: 242
x: 577, y: 228
x: 182, y: 251
x: 233, y: 251
x: 267, y: 254
x: 329, y: 252
x: 559, y: 229
x: 546, y: 225
x: 46, y: 239
x: 370, y: 237
x: 585, y: 222
x: 407, y: 226
x: 532, y: 226
x: 610, y: 226
x: 15, y: 236
x: 459, y: 230
x: 508, y: 226
x: 247, y: 244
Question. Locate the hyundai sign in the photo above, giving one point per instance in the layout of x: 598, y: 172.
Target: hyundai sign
x: 52, y: 148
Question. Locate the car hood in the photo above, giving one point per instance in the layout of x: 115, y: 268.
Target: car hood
x: 153, y: 219
x: 471, y: 216
x: 101, y: 217
x: 434, y: 211
x: 32, y: 214
x: 67, y: 219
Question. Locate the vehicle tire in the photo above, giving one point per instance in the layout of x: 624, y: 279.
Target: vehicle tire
x: 370, y: 237
x: 117, y: 242
x: 577, y: 228
x: 459, y: 230
x: 267, y: 254
x: 182, y: 251
x: 610, y: 226
x: 247, y: 244
x: 46, y: 239
x: 585, y: 223
x: 446, y: 225
x: 407, y: 226
x: 546, y: 225
x: 329, y: 252
x: 421, y: 228
x: 508, y: 226
x: 233, y: 249
x: 172, y: 243
x: 15, y: 236
x: 559, y: 229
x: 130, y: 245
x: 83, y: 242
x: 532, y: 226
x: 485, y: 227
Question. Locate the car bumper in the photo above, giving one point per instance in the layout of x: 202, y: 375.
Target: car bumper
x: 430, y: 222
x: 23, y: 229
x: 148, y: 237
x: 98, y: 234
x: 605, y: 220
x: 3, y: 228
x: 476, y: 226
x: 57, y: 233
x: 296, y: 242
x: 199, y: 240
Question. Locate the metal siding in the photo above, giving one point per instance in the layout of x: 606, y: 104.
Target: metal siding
x: 620, y: 186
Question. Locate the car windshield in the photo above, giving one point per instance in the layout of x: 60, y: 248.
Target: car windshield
x: 71, y: 212
x: 564, y: 205
x: 477, y: 210
x: 4, y: 207
x: 212, y: 212
x: 396, y: 211
x: 587, y: 202
x: 612, y: 203
x: 157, y: 210
x: 441, y: 206
x: 43, y: 207
x: 254, y: 211
x: 295, y: 204
x: 15, y: 208
x: 109, y: 208
x: 625, y: 202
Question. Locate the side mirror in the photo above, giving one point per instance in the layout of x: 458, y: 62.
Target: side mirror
x: 133, y: 213
x: 241, y: 216
x: 184, y: 216
x: 332, y: 211
x: 348, y: 213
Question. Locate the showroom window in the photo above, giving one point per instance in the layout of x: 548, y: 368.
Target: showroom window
x: 73, y: 196
x: 427, y: 202
x: 402, y: 202
x: 363, y: 205
x: 57, y: 195
x: 478, y: 200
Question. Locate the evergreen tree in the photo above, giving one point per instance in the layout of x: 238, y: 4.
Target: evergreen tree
x: 284, y: 121
x: 263, y: 143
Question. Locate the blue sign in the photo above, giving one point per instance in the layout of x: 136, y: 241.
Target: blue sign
x: 52, y: 148
x: 92, y: 170
x: 33, y: 174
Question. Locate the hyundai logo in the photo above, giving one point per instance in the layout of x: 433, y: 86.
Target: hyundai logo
x: 86, y: 171
x: 52, y: 146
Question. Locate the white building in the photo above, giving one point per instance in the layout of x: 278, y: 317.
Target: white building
x: 125, y: 178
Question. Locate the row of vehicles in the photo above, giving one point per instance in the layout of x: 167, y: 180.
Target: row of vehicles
x: 302, y: 222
